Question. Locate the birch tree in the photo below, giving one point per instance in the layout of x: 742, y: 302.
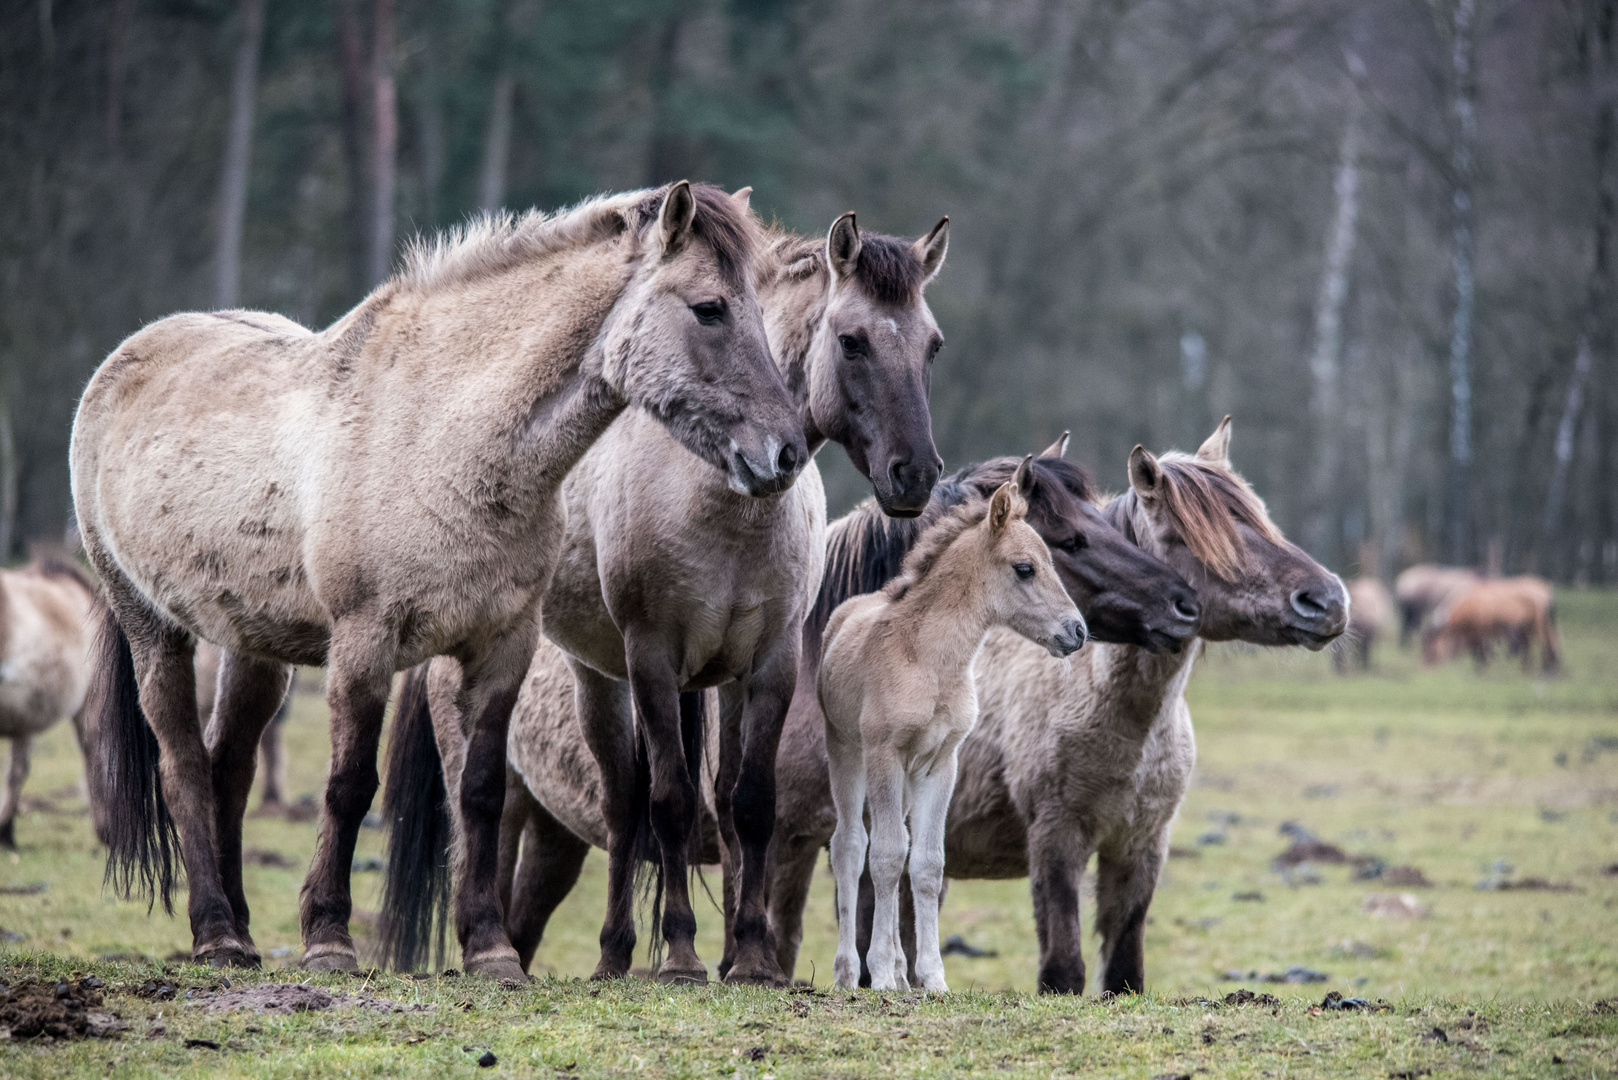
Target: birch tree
x: 238, y: 154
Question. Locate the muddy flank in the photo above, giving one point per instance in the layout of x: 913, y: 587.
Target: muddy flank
x: 70, y: 1009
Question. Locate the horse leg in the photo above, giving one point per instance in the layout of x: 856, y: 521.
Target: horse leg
x: 848, y: 846
x: 928, y: 809
x: 866, y: 910
x: 358, y: 675
x: 732, y: 704
x: 1125, y: 882
x: 543, y: 875
x: 605, y: 716
x: 890, y: 844
x: 1055, y: 865
x: 271, y: 760
x: 673, y: 800
x: 749, y: 805
x: 792, y: 873
x: 489, y: 685
x: 16, y: 776
x: 250, y: 690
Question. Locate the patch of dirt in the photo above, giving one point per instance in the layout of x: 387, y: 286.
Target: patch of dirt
x: 1393, y: 906
x: 288, y: 998
x: 32, y: 888
x: 1405, y: 877
x: 70, y: 1009
x: 1247, y: 997
x: 1537, y: 884
x: 305, y: 809
x: 254, y: 856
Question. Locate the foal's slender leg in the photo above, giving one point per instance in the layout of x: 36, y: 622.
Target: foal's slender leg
x: 890, y: 844
x: 848, y: 847
x: 654, y: 682
x: 544, y: 874
x: 250, y: 691
x: 750, y: 808
x: 1055, y: 868
x: 489, y: 685
x: 359, y: 672
x: 16, y: 776
x: 1125, y: 882
x: 605, y: 716
x: 929, y: 807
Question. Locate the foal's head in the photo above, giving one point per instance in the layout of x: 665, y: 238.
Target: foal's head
x: 1196, y: 514
x: 993, y: 545
x: 690, y: 346
x: 869, y: 364
x: 1128, y: 597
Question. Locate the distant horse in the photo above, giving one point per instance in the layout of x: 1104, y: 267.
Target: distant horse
x: 1519, y: 611
x: 1423, y: 588
x: 1370, y: 613
x: 670, y: 583
x: 45, y: 615
x: 554, y: 804
x: 897, y: 691
x: 382, y: 492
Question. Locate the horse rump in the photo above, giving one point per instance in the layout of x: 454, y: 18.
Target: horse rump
x: 415, y: 806
x: 123, y: 765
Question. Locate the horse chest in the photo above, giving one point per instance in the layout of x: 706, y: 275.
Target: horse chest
x: 721, y: 641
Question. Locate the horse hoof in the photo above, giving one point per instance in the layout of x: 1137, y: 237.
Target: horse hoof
x: 228, y: 954
x: 685, y: 976
x: 756, y: 975
x: 329, y: 958
x: 502, y: 969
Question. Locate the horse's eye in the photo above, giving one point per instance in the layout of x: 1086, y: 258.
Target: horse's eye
x: 709, y: 312
x: 933, y: 349
x: 1076, y: 542
x: 1024, y: 570
x: 850, y: 344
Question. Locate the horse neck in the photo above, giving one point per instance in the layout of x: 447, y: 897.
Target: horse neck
x: 793, y: 311
x: 945, y: 616
x: 1134, y: 687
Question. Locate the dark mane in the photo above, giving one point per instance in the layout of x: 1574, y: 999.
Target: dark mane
x: 1056, y: 472
x: 889, y: 268
x: 729, y: 229
x: 932, y: 543
x: 1206, y: 503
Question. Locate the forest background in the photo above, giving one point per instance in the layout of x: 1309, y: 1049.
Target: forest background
x: 1379, y: 232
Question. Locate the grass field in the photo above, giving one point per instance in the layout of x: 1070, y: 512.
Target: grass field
x: 1470, y: 779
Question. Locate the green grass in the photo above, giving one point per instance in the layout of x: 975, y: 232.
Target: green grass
x: 1446, y: 770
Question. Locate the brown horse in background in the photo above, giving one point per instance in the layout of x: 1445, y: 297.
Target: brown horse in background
x: 1425, y: 587
x: 382, y: 492
x: 45, y: 615
x: 1520, y: 611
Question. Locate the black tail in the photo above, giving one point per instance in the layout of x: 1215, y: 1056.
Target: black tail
x: 415, y: 805
x: 649, y: 872
x: 141, y: 836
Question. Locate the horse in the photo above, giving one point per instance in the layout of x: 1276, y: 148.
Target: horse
x: 46, y: 609
x: 670, y: 583
x: 1370, y: 612
x: 896, y: 688
x: 1519, y: 610
x: 1423, y: 588
x: 554, y: 810
x: 272, y: 764
x: 381, y: 492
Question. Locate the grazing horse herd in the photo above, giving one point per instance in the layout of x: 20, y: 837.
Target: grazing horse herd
x: 559, y: 468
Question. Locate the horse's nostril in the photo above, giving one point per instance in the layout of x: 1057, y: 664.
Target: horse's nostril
x: 896, y: 475
x: 788, y: 461
x: 1186, y: 609
x: 1308, y: 604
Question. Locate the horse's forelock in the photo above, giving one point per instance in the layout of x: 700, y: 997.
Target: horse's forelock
x: 889, y: 268
x: 1207, y: 503
x: 729, y: 229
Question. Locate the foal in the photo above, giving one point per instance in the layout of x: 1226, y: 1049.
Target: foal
x: 896, y: 688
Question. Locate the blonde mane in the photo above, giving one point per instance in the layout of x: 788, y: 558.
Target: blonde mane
x: 932, y: 544
x: 1206, y: 502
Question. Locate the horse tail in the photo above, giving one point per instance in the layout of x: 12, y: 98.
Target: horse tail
x: 142, y: 840
x: 415, y: 805
x: 648, y: 853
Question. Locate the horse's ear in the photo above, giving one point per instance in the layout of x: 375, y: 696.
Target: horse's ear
x: 1003, y: 506
x: 1216, y: 450
x: 1057, y: 448
x: 674, y: 220
x: 1145, y: 474
x: 843, y: 247
x: 743, y: 197
x: 931, y: 250
x: 1025, y: 477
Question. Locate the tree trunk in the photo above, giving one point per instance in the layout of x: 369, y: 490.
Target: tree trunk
x: 1324, y: 405
x: 1463, y: 104
x: 430, y: 128
x: 385, y: 143
x: 356, y: 141
x: 238, y: 155
x: 117, y: 67
x: 497, y: 143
